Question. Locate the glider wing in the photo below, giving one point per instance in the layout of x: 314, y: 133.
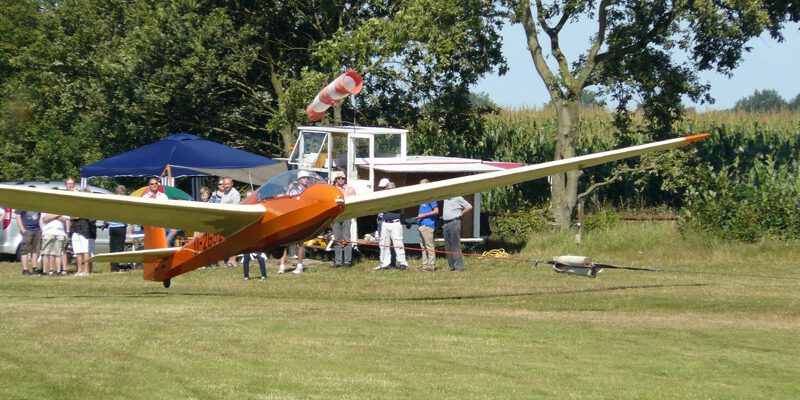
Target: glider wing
x: 408, y: 196
x: 223, y: 219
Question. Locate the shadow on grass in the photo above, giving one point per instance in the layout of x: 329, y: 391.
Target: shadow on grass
x: 423, y: 298
x: 542, y: 293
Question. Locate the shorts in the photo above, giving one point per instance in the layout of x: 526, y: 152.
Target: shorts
x: 80, y: 244
x: 31, y: 242
x: 53, y: 245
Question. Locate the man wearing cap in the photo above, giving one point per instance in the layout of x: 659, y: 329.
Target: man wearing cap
x: 343, y: 247
x: 454, y: 209
x: 391, y: 235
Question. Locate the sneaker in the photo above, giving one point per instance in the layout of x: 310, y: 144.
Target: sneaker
x: 263, y: 278
x: 282, y: 269
x: 381, y: 267
x: 51, y: 273
x: 298, y: 270
x: 246, y: 278
x: 63, y: 272
x: 402, y: 267
x: 26, y: 272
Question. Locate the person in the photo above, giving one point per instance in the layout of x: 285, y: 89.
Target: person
x: 295, y: 188
x: 229, y: 193
x: 54, y: 233
x: 205, y: 194
x: 84, y: 233
x: 117, y: 232
x: 391, y: 236
x: 216, y: 197
x: 454, y: 209
x: 229, y: 196
x: 426, y: 220
x: 69, y: 184
x: 153, y: 190
x: 343, y: 246
x: 28, y: 223
x: 260, y: 257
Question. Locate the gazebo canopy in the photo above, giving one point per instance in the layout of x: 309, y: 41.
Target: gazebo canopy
x: 187, y: 155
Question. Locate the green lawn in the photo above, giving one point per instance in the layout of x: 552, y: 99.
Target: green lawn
x: 721, y: 321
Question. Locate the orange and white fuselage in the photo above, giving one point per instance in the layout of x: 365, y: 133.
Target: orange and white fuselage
x: 287, y: 219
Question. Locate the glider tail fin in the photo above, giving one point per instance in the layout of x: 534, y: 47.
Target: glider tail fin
x: 154, y: 238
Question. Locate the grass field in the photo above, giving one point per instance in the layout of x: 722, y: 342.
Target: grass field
x: 721, y: 321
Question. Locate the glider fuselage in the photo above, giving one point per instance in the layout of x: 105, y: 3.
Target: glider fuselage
x: 287, y: 219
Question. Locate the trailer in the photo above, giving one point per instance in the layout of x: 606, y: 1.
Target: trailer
x: 368, y: 154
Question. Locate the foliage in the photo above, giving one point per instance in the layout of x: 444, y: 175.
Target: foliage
x: 604, y: 218
x: 520, y: 225
x: 795, y: 103
x: 637, y: 50
x: 760, y: 204
x: 766, y: 100
x: 84, y: 80
x: 419, y: 64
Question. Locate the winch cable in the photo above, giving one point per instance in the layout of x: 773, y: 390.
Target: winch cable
x: 501, y: 254
x: 496, y: 255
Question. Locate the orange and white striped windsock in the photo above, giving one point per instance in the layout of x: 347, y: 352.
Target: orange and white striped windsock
x: 346, y: 84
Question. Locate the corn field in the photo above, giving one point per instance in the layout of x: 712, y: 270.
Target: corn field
x: 740, y: 140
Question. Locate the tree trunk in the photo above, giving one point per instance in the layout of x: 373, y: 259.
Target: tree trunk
x: 287, y: 134
x: 564, y: 186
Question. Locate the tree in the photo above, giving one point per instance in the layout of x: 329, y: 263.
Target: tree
x: 795, y: 103
x: 633, y: 54
x: 767, y: 100
x: 99, y: 76
x: 419, y: 58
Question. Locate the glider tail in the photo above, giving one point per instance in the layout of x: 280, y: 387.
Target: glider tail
x: 154, y: 238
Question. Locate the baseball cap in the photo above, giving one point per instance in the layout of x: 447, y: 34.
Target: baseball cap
x: 383, y: 183
x: 337, y: 174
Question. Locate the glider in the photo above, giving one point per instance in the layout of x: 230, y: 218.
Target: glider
x: 270, y: 218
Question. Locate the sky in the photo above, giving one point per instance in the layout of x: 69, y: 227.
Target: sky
x: 769, y: 65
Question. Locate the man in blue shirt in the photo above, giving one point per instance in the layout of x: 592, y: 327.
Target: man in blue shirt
x: 426, y: 216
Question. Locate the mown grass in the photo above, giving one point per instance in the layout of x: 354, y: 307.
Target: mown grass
x: 719, y: 322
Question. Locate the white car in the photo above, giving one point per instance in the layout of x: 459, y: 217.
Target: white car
x: 10, y: 237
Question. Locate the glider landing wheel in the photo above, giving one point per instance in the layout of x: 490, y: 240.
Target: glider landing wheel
x: 166, y: 284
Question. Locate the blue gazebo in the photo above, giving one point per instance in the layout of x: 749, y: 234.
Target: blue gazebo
x: 184, y: 154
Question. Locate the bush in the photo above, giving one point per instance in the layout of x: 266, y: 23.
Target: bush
x: 604, y: 218
x: 518, y: 226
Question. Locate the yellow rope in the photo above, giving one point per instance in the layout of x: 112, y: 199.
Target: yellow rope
x: 496, y: 253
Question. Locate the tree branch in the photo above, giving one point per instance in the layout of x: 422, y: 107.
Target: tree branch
x: 643, y: 40
x: 591, y: 58
x: 596, y: 185
x: 535, y: 48
x: 555, y: 46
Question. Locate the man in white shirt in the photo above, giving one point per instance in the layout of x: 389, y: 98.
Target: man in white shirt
x: 229, y: 196
x: 54, y: 234
x: 152, y: 190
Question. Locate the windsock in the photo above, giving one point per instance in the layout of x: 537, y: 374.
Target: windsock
x: 346, y: 84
